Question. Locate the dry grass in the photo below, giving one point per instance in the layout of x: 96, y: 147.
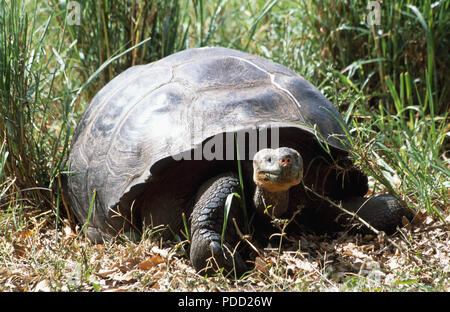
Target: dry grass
x: 41, y: 258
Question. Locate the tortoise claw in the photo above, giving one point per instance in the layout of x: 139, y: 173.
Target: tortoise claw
x: 210, y: 256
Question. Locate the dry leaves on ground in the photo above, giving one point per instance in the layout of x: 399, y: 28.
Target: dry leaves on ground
x: 43, y: 259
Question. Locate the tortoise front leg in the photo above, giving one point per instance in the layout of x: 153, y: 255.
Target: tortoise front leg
x: 208, y: 252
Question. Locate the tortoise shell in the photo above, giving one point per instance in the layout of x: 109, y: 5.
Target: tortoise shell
x: 166, y: 108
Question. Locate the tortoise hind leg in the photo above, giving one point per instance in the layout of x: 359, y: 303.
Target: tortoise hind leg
x: 383, y: 212
x: 97, y: 236
x: 207, y: 252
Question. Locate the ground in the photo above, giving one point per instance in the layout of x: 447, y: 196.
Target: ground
x: 43, y: 258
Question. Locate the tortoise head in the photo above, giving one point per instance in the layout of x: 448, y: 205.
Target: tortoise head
x: 277, y: 170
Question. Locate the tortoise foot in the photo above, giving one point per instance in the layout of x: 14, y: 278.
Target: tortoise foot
x: 212, y: 247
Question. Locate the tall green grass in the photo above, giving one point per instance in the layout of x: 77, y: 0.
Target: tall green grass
x: 32, y: 101
x: 412, y: 38
x: 46, y: 67
x: 108, y: 28
x: 404, y: 152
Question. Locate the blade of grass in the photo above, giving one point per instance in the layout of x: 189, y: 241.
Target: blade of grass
x: 264, y: 11
x: 186, y: 229
x: 241, y: 182
x: 226, y: 211
x: 431, y: 73
x: 88, y: 219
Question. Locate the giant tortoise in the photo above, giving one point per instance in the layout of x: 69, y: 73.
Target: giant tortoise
x: 215, y: 134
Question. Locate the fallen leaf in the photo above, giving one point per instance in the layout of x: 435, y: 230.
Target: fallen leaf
x: 156, y: 285
x: 104, y: 273
x: 306, y: 266
x: 420, y: 217
x: 128, y: 265
x: 68, y: 232
x: 148, y: 264
x: 24, y: 234
x: 261, y: 265
x: 20, y: 251
x: 4, y: 274
x: 406, y: 224
x: 125, y: 278
x: 42, y: 286
x: 122, y: 289
x: 429, y: 220
x: 162, y: 252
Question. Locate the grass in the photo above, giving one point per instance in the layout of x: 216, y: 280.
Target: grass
x: 27, y: 129
x: 33, y: 260
x: 388, y: 81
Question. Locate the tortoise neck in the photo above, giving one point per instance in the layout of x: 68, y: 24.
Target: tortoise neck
x: 272, y: 204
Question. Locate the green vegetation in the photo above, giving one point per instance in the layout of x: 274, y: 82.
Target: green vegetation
x: 390, y: 82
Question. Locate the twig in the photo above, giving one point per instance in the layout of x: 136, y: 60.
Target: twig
x: 320, y: 273
x: 354, y: 215
x: 244, y: 238
x: 285, y: 224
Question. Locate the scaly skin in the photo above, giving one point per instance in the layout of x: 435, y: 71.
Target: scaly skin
x: 383, y: 212
x: 273, y: 179
x: 275, y: 171
x: 207, y: 224
x: 270, y: 204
